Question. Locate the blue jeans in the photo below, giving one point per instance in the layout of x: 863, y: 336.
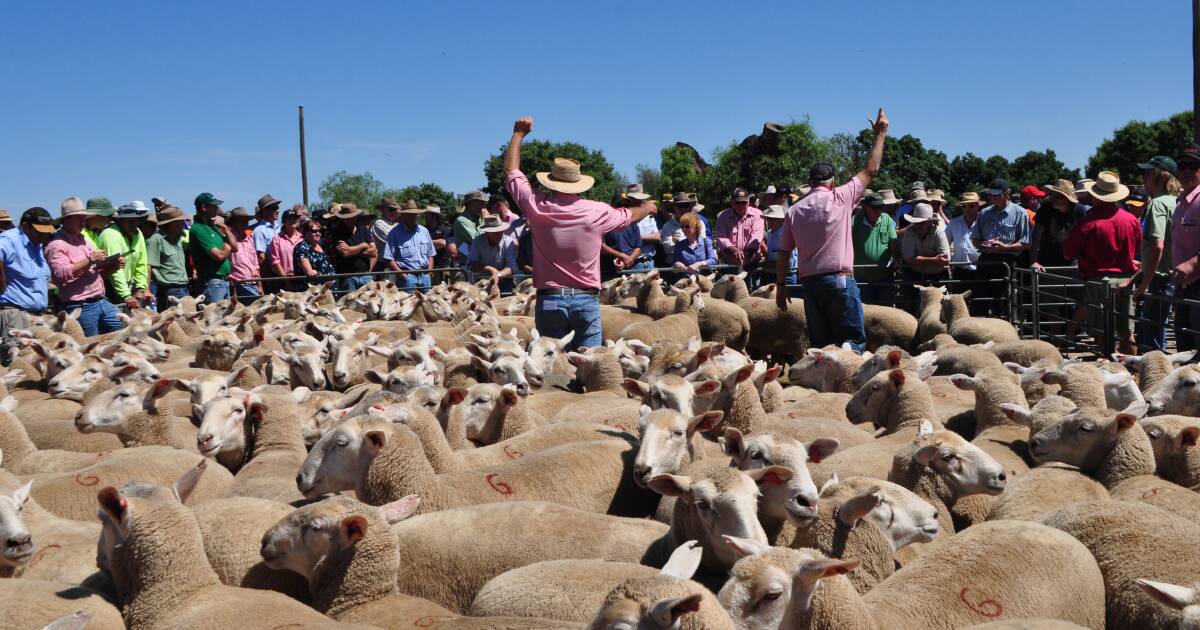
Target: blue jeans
x: 214, y: 290
x: 642, y: 265
x: 247, y: 292
x: 353, y: 282
x: 834, y: 314
x: 1154, y: 335
x: 95, y: 317
x: 558, y: 315
x: 161, y: 293
x: 413, y: 280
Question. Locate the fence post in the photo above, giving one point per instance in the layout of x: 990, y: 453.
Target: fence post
x: 1008, y: 290
x: 1106, y: 345
x: 1036, y: 300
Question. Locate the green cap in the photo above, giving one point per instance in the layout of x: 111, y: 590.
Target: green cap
x: 206, y: 199
x: 1160, y: 161
x: 101, y: 207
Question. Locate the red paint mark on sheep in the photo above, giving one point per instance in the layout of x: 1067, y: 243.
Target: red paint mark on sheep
x: 1149, y: 493
x: 939, y: 394
x: 499, y: 486
x: 86, y: 480
x: 102, y: 454
x: 512, y: 452
x: 428, y: 621
x: 42, y: 553
x: 286, y: 626
x: 983, y: 607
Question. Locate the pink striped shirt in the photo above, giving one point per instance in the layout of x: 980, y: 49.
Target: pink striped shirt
x: 63, y: 253
x: 567, y: 230
x: 818, y: 227
x: 280, y: 251
x: 244, y: 262
x: 739, y: 232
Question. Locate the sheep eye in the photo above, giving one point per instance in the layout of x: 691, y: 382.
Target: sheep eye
x: 341, y: 442
x: 1189, y: 383
x: 484, y: 399
x: 678, y: 434
x: 756, y: 455
x: 122, y: 394
x: 704, y: 504
x: 1087, y: 428
x: 949, y: 457
x: 1155, y: 433
x: 676, y: 366
x: 773, y: 595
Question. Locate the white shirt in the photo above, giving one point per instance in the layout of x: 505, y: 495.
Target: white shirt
x: 962, y: 249
x: 672, y: 233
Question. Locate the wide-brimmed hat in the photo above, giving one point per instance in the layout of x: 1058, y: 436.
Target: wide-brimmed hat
x: 889, y: 197
x: 132, y: 210
x: 1065, y: 188
x: 266, y: 201
x: 920, y: 213
x: 240, y: 212
x: 635, y: 192
x: 564, y: 177
x: 410, y: 207
x: 5, y: 217
x: 1081, y: 185
x: 100, y: 206
x: 1138, y: 198
x: 431, y: 208
x: 683, y: 199
x: 72, y: 206
x: 970, y: 197
x: 775, y: 211
x: 1107, y: 187
x: 492, y: 223
x: 387, y: 202
x: 476, y: 195
x: 347, y: 211
x: 937, y: 194
x: 170, y: 214
x: 917, y: 195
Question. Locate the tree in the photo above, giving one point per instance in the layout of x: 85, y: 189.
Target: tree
x: 995, y: 166
x: 905, y: 160
x: 425, y: 194
x: 1139, y: 141
x: 678, y: 171
x: 363, y: 190
x: 968, y: 172
x: 651, y: 180
x: 1038, y: 168
x: 538, y: 156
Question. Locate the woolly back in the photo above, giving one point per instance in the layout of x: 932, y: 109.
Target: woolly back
x: 279, y: 429
x: 1131, y: 455
x: 15, y: 443
x: 355, y: 573
x: 995, y: 385
x: 1155, y: 367
x: 912, y: 404
x: 647, y: 591
x: 863, y: 542
x: 400, y: 469
x: 1083, y: 385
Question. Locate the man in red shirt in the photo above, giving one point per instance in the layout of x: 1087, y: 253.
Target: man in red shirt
x: 1104, y: 243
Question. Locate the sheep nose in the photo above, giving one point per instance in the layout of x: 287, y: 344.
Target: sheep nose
x: 805, y: 500
x: 16, y: 542
x: 340, y: 375
x: 640, y: 471
x: 1002, y: 476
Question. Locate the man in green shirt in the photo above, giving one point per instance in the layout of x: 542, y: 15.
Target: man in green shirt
x: 211, y: 242
x: 466, y: 226
x: 1158, y: 177
x: 873, y: 232
x: 167, y: 258
x: 128, y: 284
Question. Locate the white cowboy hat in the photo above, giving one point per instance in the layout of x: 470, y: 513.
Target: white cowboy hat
x: 492, y: 223
x: 775, y: 211
x: 920, y: 213
x: 1107, y: 187
x: 565, y: 177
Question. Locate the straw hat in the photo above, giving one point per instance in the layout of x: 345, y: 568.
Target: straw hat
x: 937, y: 194
x: 347, y: 211
x: 387, y: 202
x: 492, y: 223
x: 970, y: 197
x: 917, y: 196
x: 170, y: 214
x: 1107, y: 187
x: 565, y: 177
x: 889, y: 197
x: 1065, y: 188
x: 683, y: 199
x: 775, y: 211
x: 410, y: 207
x: 4, y: 217
x: 72, y: 206
x: 920, y: 213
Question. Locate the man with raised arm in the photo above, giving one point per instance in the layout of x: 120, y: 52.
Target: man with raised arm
x: 818, y: 228
x: 567, y: 230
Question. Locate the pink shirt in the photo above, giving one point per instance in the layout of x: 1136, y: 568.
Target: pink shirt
x: 1185, y: 228
x: 739, y: 232
x: 567, y: 231
x: 818, y: 227
x: 280, y: 250
x: 243, y: 264
x: 63, y: 253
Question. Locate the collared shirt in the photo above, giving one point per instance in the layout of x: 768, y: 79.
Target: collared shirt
x: 1185, y: 227
x: 202, y: 240
x: 502, y: 254
x: 566, y: 233
x: 740, y: 233
x: 872, y: 242
x: 818, y: 226
x: 62, y: 254
x: 135, y: 274
x: 360, y: 234
x: 264, y: 233
x: 961, y: 247
x: 26, y: 271
x: 692, y: 252
x: 624, y: 240
x: 167, y: 260
x: 409, y: 249
x: 648, y: 226
x: 1156, y: 224
x: 380, y: 230
x: 773, y: 237
x: 1105, y: 242
x: 243, y: 264
x: 1008, y: 225
x: 671, y: 233
x: 934, y: 243
x: 280, y: 251
x: 466, y: 228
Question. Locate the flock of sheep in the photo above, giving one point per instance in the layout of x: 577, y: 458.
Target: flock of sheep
x: 397, y: 460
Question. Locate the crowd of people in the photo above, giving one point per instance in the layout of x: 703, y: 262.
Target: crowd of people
x: 842, y: 245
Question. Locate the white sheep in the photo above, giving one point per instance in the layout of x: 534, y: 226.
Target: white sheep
x: 137, y: 414
x: 969, y: 330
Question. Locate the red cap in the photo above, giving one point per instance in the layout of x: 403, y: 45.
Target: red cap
x: 1032, y: 192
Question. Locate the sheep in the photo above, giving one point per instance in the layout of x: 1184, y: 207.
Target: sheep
x: 905, y: 519
x: 681, y: 325
x: 772, y: 331
x: 1081, y: 383
x: 887, y: 326
x: 504, y: 363
x: 759, y: 586
x: 457, y: 556
x: 614, y: 320
x: 964, y: 359
x: 939, y: 341
x: 64, y: 549
x: 232, y: 530
x: 152, y: 548
x: 667, y: 442
x: 44, y: 604
x: 1026, y: 352
x: 771, y: 448
x: 1181, y: 598
x: 547, y: 357
x: 1151, y: 368
x: 220, y: 349
x: 1173, y: 439
x: 569, y: 590
x: 673, y: 392
x: 1114, y: 449
x: 350, y: 357
x: 929, y: 324
x: 18, y: 541
x: 383, y: 461
x: 257, y: 437
x: 403, y: 379
x: 647, y: 291
x: 995, y: 570
x: 1178, y: 393
x: 138, y: 415
x: 23, y: 457
x: 492, y: 413
x: 1132, y: 541
x: 968, y: 330
x: 1044, y: 489
x: 829, y: 369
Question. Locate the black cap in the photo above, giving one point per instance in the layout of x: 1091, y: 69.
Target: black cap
x: 1190, y: 153
x: 820, y: 172
x: 874, y: 200
x: 783, y: 189
x: 999, y: 185
x: 740, y: 194
x: 290, y: 214
x: 1160, y: 162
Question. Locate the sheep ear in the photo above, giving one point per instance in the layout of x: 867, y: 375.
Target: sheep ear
x: 926, y: 454
x: 744, y: 373
x: 161, y: 386
x: 744, y: 547
x: 183, y: 487
x: 962, y: 381
x: 509, y: 395
x: 562, y: 343
x: 639, y: 347
x: 893, y: 359
x: 236, y: 374
x: 705, y: 422
x: 1170, y: 595
x: 709, y: 386
x: 113, y: 503
x: 9, y: 404
x: 453, y: 396
x: 666, y: 612
x: 12, y: 377
x: 926, y: 370
x: 810, y: 571
x: 1055, y: 377
x: 636, y: 388
x: 353, y: 529
x: 576, y: 359
x: 77, y: 620
x: 897, y: 377
x: 684, y: 560
x: 1032, y: 375
x: 1180, y: 358
x: 829, y: 484
x: 374, y: 376
x: 21, y: 495
x: 400, y: 509
x: 671, y: 485
x: 856, y: 508
x: 1188, y: 436
x: 771, y: 475
x: 1130, y: 415
x: 734, y: 443
x: 926, y: 428
x: 1015, y: 368
x: 1017, y: 413
x: 821, y: 448
x: 301, y: 394
x: 376, y: 440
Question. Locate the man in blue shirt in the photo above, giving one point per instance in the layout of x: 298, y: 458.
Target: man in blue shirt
x: 264, y: 231
x: 621, y: 249
x: 409, y: 247
x: 1001, y: 234
x: 24, y: 276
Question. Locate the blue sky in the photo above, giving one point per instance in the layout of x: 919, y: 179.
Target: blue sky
x: 138, y: 99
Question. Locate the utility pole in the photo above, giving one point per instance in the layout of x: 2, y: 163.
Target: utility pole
x: 304, y: 159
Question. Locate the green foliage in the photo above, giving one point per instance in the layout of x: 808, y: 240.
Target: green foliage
x: 651, y: 180
x: 1038, y: 168
x: 905, y: 160
x: 968, y: 172
x: 538, y: 155
x: 362, y: 189
x: 425, y: 194
x: 1139, y: 141
x: 678, y: 171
